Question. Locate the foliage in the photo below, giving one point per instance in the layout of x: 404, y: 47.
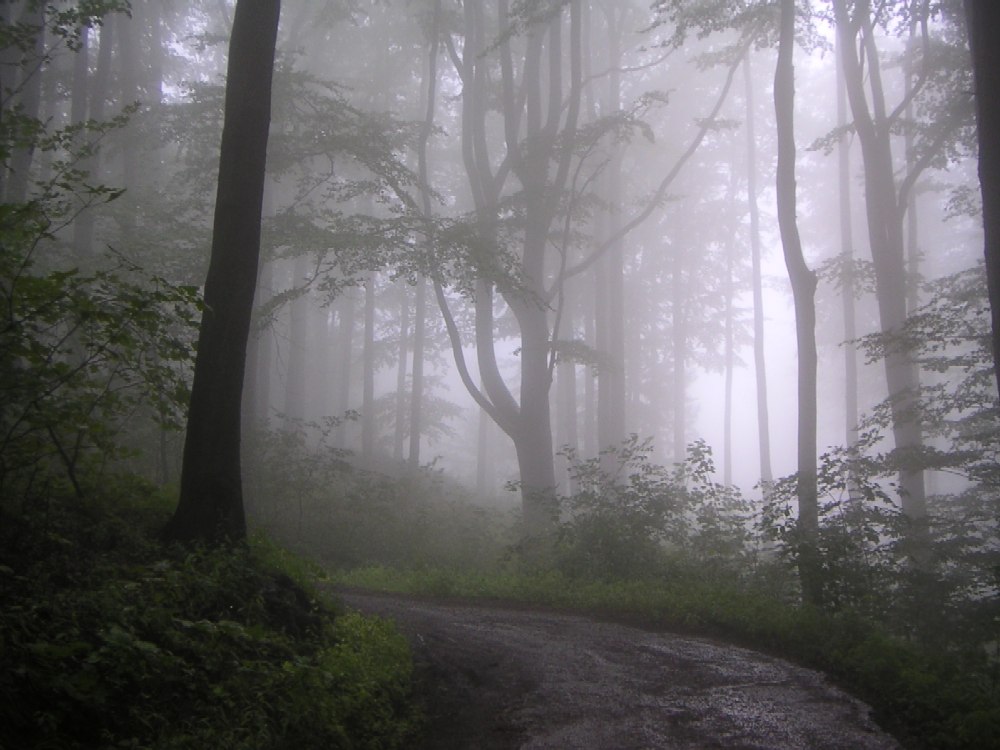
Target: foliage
x: 86, y: 343
x: 640, y: 519
x: 111, y: 639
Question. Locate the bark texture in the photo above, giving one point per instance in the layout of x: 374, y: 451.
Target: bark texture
x: 983, y: 17
x: 211, y: 497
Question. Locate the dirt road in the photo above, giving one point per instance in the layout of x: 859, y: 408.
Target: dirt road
x: 497, y: 678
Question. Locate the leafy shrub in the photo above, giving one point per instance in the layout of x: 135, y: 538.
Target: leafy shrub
x: 641, y: 520
x: 110, y: 639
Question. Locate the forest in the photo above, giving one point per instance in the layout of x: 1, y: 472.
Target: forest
x: 673, y: 310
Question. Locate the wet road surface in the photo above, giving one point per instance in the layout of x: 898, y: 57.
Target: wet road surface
x: 494, y: 678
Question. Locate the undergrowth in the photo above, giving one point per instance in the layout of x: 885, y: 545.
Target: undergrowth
x: 109, y: 639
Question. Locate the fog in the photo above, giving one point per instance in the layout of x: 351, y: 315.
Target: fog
x: 568, y: 187
x: 379, y: 58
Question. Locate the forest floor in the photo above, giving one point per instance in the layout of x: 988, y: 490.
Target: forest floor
x: 493, y: 677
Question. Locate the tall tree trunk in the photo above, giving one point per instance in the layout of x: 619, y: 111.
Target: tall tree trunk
x: 885, y: 235
x: 368, y: 376
x: 211, y: 493
x: 343, y: 365
x: 589, y: 438
x: 299, y: 312
x: 803, y: 282
x: 760, y: 366
x: 399, y: 436
x: 679, y: 348
x: 566, y: 408
x: 847, y: 250
x: 484, y: 458
x: 417, y: 379
x: 611, y: 384
x: 730, y: 356
x: 99, y: 92
x: 982, y: 18
x: 535, y: 122
x: 420, y: 312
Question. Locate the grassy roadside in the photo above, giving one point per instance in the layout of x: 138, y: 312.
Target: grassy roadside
x: 929, y: 700
x: 110, y: 639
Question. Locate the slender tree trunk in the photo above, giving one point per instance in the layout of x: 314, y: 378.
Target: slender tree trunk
x: 296, y: 378
x: 484, y: 458
x: 99, y: 93
x: 417, y: 380
x: 589, y: 440
x: 885, y: 235
x: 368, y: 376
x: 803, y: 282
x: 79, y: 103
x: 420, y: 313
x: 730, y: 356
x: 760, y: 367
x: 129, y: 44
x: 982, y: 18
x: 679, y: 348
x: 566, y: 410
x: 611, y: 384
x: 343, y: 365
x: 847, y: 282
x: 399, y: 436
x: 211, y: 494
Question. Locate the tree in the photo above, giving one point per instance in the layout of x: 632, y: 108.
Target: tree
x: 211, y: 495
x: 886, y: 199
x: 981, y: 18
x: 760, y: 368
x: 803, y: 293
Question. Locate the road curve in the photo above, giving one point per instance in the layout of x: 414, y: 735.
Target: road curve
x: 494, y: 678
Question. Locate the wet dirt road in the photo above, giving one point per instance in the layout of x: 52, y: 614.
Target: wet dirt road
x: 497, y: 678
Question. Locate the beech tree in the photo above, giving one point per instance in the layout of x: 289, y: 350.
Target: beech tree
x: 887, y: 192
x: 982, y: 17
x: 803, y: 281
x: 211, y: 494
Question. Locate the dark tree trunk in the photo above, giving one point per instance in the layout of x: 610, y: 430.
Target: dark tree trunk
x: 803, y: 282
x: 982, y: 18
x: 211, y: 494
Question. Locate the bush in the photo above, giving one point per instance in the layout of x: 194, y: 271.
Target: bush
x: 110, y: 639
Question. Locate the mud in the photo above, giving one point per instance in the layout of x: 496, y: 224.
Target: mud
x: 497, y: 678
